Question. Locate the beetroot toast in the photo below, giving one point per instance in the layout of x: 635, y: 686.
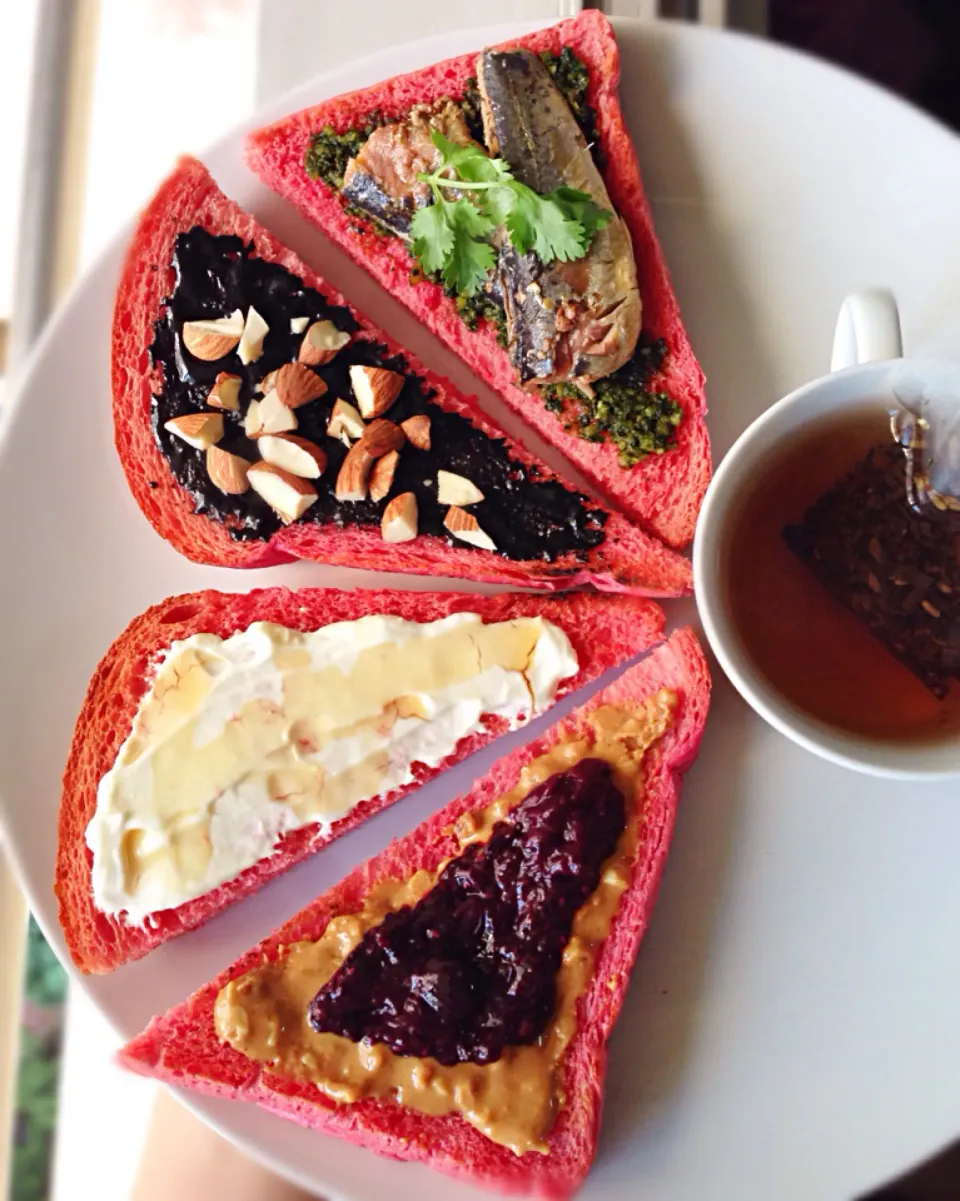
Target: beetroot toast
x: 662, y: 492
x: 183, y: 1048
x: 620, y: 558
x: 604, y: 631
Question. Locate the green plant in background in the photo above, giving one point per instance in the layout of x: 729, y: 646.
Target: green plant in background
x: 45, y: 988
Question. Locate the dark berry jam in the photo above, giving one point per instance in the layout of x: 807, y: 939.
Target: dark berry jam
x: 471, y: 968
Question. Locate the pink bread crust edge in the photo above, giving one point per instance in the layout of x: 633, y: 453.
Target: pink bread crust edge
x: 663, y: 493
x: 181, y: 1047
x: 627, y: 560
x: 603, y: 630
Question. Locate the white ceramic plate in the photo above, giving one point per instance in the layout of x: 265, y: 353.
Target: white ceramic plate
x: 791, y: 1030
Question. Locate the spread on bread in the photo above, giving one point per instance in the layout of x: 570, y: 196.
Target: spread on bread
x: 572, y: 820
x: 238, y: 741
x: 547, y: 259
x: 272, y: 407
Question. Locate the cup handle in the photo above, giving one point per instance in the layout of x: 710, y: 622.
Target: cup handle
x: 868, y: 329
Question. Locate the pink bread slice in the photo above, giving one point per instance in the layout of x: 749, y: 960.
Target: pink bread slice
x: 627, y: 560
x: 182, y: 1047
x: 604, y: 631
x: 662, y: 493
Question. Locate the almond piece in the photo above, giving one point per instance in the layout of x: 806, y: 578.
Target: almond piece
x: 297, y: 385
x: 375, y: 389
x: 198, y: 430
x: 464, y: 525
x: 299, y: 456
x: 275, y: 416
x: 321, y: 343
x: 298, y: 324
x: 456, y: 489
x: 399, y: 522
x: 382, y: 436
x: 288, y: 495
x: 252, y: 423
x: 211, y: 340
x: 381, y: 477
x: 255, y: 329
x: 354, y: 474
x: 345, y: 420
x: 417, y: 430
x: 268, y: 383
x: 225, y: 393
x: 227, y: 472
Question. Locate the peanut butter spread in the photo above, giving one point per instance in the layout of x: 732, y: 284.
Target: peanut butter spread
x: 515, y: 1100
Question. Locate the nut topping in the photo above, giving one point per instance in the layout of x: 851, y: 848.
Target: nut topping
x: 298, y: 324
x: 288, y: 495
x: 345, y: 422
x: 465, y: 526
x: 382, y: 436
x: 456, y: 489
x: 275, y: 416
x: 255, y: 329
x: 375, y: 389
x: 227, y: 472
x: 299, y: 456
x: 252, y: 423
x: 211, y: 340
x: 417, y: 430
x: 354, y: 474
x: 399, y: 522
x: 225, y: 393
x: 198, y: 430
x: 297, y: 385
x: 381, y: 477
x: 321, y: 343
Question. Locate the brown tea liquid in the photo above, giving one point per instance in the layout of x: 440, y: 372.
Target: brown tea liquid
x: 812, y: 649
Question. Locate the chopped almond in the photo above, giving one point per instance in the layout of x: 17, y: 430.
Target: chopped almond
x: 299, y: 456
x: 382, y: 436
x: 255, y: 329
x: 381, y: 477
x: 354, y: 474
x: 465, y: 526
x: 225, y: 393
x: 275, y: 416
x: 417, y: 430
x: 321, y: 343
x: 455, y: 489
x: 345, y: 422
x: 211, y: 340
x: 288, y: 495
x: 227, y: 472
x: 252, y: 422
x: 298, y: 324
x: 198, y: 430
x: 375, y: 389
x: 297, y: 385
x: 400, y: 518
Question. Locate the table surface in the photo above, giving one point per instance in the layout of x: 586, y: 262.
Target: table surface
x: 793, y: 1011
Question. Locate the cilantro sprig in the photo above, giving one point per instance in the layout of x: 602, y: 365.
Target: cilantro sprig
x: 451, y: 237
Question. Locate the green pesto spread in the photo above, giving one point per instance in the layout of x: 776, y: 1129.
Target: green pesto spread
x: 329, y: 152
x: 573, y: 79
x: 624, y: 409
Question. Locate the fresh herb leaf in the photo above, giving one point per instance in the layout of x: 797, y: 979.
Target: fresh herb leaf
x: 475, y: 194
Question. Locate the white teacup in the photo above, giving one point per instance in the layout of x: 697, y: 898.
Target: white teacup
x: 867, y: 368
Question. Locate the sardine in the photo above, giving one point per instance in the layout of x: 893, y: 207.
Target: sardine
x: 567, y: 321
x: 382, y: 178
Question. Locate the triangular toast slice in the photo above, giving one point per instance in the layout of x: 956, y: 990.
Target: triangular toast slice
x: 663, y: 491
x: 603, y: 631
x: 527, y: 1119
x: 482, y: 507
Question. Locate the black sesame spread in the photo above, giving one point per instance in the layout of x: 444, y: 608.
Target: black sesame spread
x: 471, y: 968
x: 527, y: 517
